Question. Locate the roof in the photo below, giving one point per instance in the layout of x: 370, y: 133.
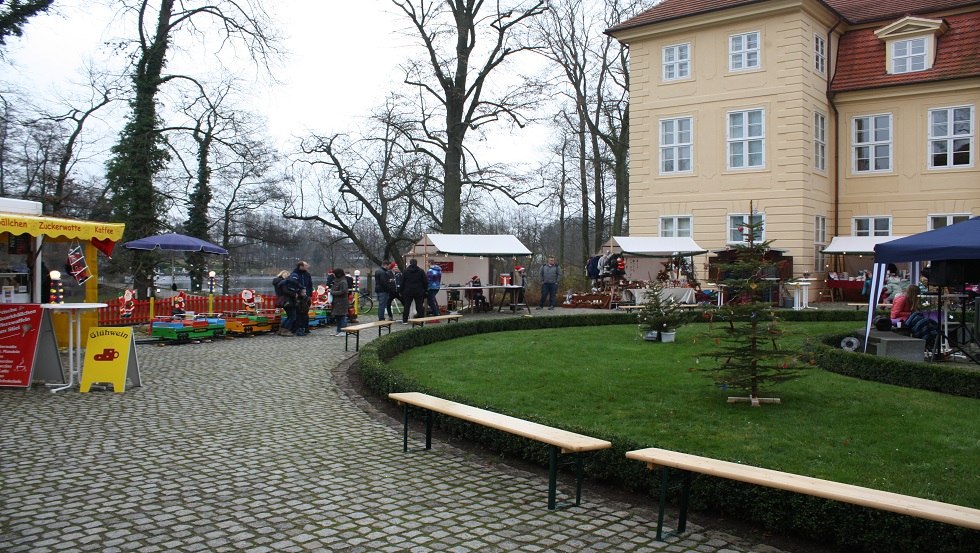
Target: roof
x: 853, y: 11
x: 654, y: 246
x: 55, y: 227
x: 857, y: 245
x: 470, y: 244
x: 861, y: 60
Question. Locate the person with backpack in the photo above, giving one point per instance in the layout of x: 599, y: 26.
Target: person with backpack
x: 304, y: 282
x: 434, y: 277
x: 286, y: 294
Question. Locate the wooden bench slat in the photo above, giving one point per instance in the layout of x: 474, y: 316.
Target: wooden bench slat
x: 569, y: 442
x: 847, y: 493
x: 364, y: 326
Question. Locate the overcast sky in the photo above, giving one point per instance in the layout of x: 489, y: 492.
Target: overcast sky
x: 343, y: 58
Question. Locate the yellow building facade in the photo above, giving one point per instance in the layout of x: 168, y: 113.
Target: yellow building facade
x: 782, y: 103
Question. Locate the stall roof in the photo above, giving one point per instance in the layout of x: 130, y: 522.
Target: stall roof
x: 654, y: 246
x: 39, y: 225
x: 857, y: 245
x: 470, y: 244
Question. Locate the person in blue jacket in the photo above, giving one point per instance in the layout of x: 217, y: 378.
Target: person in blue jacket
x: 434, y: 275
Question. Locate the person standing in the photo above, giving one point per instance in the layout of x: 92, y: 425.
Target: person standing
x: 383, y: 280
x: 434, y: 277
x: 396, y: 288
x: 341, y: 304
x: 301, y: 274
x: 550, y: 276
x: 286, y: 299
x: 414, y: 283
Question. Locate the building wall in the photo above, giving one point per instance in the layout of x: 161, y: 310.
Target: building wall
x: 788, y: 189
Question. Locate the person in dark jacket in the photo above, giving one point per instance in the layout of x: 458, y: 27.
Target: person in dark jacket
x: 301, y: 274
x: 396, y: 287
x: 383, y: 282
x: 339, y: 289
x: 434, y: 277
x: 286, y: 293
x: 414, y: 285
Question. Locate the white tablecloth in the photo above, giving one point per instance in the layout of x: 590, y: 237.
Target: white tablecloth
x: 680, y: 295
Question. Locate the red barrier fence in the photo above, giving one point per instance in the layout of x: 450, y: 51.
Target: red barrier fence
x: 113, y: 314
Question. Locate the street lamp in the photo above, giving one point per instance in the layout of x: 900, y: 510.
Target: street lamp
x: 210, y: 291
x: 57, y: 291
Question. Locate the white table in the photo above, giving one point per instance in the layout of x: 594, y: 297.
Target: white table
x: 74, y: 311
x: 801, y: 294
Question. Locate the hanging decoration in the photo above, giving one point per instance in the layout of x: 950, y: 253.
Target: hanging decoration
x: 76, y: 263
x: 57, y: 291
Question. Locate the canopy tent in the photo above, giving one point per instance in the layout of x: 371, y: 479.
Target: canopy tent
x: 856, y: 245
x: 494, y: 245
x: 654, y: 246
x: 954, y: 242
x: 175, y: 243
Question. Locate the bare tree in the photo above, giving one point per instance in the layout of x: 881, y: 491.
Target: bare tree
x: 140, y: 154
x: 455, y: 87
x: 374, y: 190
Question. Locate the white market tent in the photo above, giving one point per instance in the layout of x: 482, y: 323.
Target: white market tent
x: 463, y: 256
x: 494, y: 245
x: 856, y: 245
x: 654, y: 246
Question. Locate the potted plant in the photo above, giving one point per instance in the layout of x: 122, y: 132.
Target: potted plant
x: 661, y: 317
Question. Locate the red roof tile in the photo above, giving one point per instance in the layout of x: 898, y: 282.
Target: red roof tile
x: 853, y: 11
x: 861, y: 57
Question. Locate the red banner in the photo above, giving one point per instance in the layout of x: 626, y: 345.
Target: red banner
x: 20, y: 326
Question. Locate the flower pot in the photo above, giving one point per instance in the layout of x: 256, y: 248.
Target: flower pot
x: 667, y: 336
x: 651, y: 336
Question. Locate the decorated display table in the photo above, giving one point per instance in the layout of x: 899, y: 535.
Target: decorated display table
x: 678, y: 295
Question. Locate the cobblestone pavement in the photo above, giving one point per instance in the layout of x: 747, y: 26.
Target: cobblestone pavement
x: 250, y: 445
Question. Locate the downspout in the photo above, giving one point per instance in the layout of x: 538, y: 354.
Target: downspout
x: 836, y: 116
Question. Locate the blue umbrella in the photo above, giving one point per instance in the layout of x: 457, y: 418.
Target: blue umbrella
x: 175, y: 243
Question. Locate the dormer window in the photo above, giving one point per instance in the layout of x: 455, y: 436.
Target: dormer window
x: 909, y: 55
x: 911, y: 43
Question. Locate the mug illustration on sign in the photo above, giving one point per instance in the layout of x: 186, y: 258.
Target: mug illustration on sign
x: 108, y: 354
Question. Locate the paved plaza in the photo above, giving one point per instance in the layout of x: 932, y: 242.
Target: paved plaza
x: 259, y: 445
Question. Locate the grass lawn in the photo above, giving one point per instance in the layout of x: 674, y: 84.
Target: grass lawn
x: 609, y: 382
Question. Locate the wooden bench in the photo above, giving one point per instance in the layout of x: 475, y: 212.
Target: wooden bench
x: 847, y: 493
x: 356, y: 331
x: 420, y: 321
x: 559, y: 441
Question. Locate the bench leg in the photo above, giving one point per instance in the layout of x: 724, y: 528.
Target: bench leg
x: 579, y: 474
x: 664, y: 482
x: 346, y: 337
x: 552, y: 476
x: 685, y: 500
x: 428, y: 429
x: 405, y: 437
x: 357, y: 342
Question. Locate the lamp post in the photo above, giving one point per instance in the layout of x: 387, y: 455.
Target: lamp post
x: 210, y: 291
x: 357, y: 291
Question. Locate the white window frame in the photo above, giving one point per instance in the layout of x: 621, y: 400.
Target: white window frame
x: 676, y: 68
x: 740, y: 54
x: 819, y: 54
x: 872, y: 223
x: 736, y: 220
x: 819, y: 243
x: 744, y: 139
x: 951, y: 137
x: 873, y: 144
x: 951, y: 219
x: 819, y: 141
x: 907, y: 61
x: 675, y: 223
x: 676, y: 147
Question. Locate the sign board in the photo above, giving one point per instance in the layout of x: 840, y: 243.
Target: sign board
x: 110, y: 357
x: 28, y: 348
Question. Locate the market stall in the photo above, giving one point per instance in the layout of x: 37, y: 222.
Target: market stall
x: 26, y: 231
x: 627, y: 263
x: 846, y: 279
x: 463, y: 256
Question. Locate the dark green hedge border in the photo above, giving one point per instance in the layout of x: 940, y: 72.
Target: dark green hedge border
x: 831, y: 522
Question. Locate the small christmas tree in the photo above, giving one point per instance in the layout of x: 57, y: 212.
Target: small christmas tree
x: 661, y: 314
x: 748, y: 346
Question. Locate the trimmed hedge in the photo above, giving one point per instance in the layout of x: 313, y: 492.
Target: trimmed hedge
x: 843, y: 525
x: 945, y: 378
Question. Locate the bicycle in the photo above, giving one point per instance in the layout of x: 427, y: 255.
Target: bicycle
x: 365, y: 302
